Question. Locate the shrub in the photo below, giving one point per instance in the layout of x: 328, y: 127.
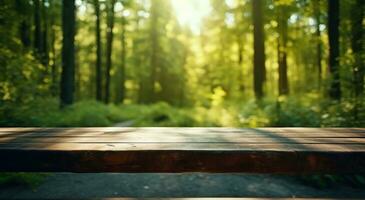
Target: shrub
x: 162, y: 114
x: 46, y: 113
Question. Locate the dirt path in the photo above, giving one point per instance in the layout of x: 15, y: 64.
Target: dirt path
x: 125, y: 124
x: 60, y: 186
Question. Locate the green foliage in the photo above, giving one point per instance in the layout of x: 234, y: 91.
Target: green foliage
x: 347, y: 113
x: 296, y: 112
x: 20, y: 74
x: 306, y: 111
x: 46, y: 113
x: 217, y: 116
x: 281, y: 112
x: 159, y: 115
x: 211, y: 71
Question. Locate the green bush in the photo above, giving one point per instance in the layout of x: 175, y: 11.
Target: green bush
x: 294, y: 112
x: 164, y: 115
x: 347, y: 113
x: 84, y: 114
x: 46, y: 113
x: 304, y: 111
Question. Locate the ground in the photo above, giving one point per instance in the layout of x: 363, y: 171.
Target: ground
x: 65, y: 185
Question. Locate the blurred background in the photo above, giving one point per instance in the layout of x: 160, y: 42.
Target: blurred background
x: 239, y: 63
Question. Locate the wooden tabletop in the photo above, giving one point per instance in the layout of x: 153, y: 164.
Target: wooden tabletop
x: 263, y: 150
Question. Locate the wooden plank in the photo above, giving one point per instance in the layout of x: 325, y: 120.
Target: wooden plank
x: 181, y: 139
x: 290, y: 132
x: 184, y: 147
x: 181, y: 132
x: 149, y: 133
x: 182, y: 150
x: 196, y: 130
x: 177, y: 161
x: 184, y: 141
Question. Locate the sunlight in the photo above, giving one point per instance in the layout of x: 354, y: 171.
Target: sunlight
x: 191, y: 12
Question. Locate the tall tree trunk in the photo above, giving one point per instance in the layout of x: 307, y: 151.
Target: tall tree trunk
x: 37, y: 28
x: 45, y: 49
x: 334, y: 50
x: 137, y: 61
x: 259, y: 49
x: 25, y: 24
x: 121, y: 85
x: 282, y: 50
x: 78, y: 84
x: 240, y: 61
x: 317, y: 14
x: 357, y: 43
x: 24, y: 30
x: 150, y: 87
x: 53, y: 66
x: 109, y: 45
x: 68, y: 53
x: 53, y: 86
x: 98, y: 71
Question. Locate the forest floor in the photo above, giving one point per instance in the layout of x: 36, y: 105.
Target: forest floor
x: 77, y: 186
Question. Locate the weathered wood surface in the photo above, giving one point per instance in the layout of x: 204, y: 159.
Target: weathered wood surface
x: 265, y: 150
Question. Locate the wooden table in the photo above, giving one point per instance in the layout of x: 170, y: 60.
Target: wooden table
x: 218, y: 150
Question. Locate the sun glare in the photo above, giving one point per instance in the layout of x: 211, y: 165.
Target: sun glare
x: 191, y: 12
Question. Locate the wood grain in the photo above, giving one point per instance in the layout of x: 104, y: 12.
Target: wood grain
x: 267, y: 150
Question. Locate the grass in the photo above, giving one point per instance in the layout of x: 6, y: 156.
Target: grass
x: 304, y: 111
x: 45, y: 113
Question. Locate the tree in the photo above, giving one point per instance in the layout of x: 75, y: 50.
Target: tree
x: 122, y: 76
x: 109, y: 46
x: 334, y: 49
x: 259, y: 49
x: 137, y: 52
x: 357, y: 40
x: 25, y: 25
x: 54, y: 7
x: 45, y: 49
x: 317, y: 15
x: 240, y: 61
x: 38, y: 44
x: 41, y: 33
x: 98, y: 72
x: 68, y: 53
x: 283, y: 17
x: 154, y: 61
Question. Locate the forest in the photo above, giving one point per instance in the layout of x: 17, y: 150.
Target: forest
x: 224, y: 63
